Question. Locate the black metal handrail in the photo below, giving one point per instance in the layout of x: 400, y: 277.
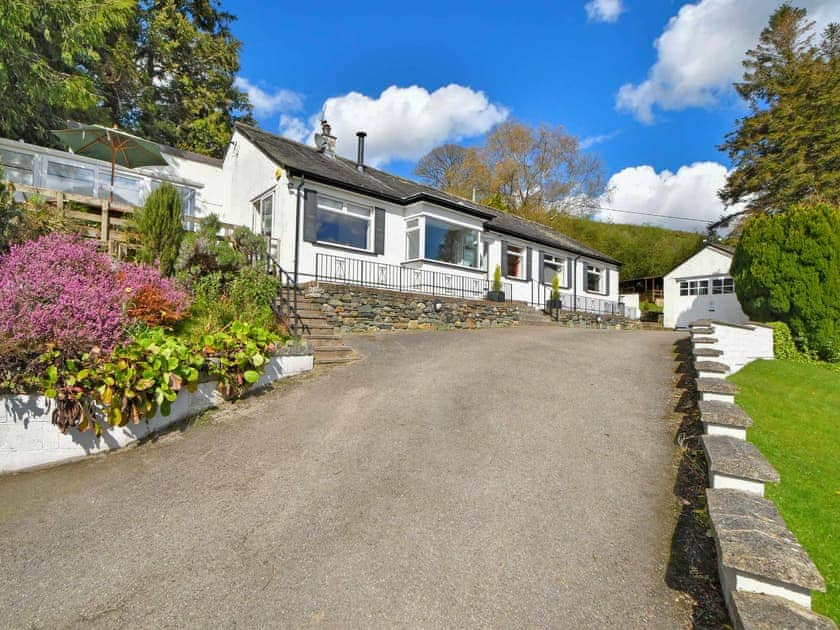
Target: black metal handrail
x: 372, y: 274
x: 581, y: 303
x: 286, y: 307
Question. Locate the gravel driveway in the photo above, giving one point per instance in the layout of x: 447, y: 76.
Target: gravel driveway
x: 502, y: 478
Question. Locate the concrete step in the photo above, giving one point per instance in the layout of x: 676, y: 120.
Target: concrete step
x: 737, y: 464
x: 334, y: 350
x: 758, y: 611
x: 716, y: 389
x: 703, y: 340
x: 721, y: 418
x: 711, y: 369
x: 702, y: 330
x: 333, y: 360
x: 707, y: 352
x: 320, y: 337
x: 756, y: 551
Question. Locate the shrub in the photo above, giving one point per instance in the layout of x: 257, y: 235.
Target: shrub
x: 160, y: 226
x: 555, y: 287
x: 497, y: 278
x: 29, y: 220
x: 784, y: 347
x: 787, y: 268
x: 59, y: 290
x: 150, y: 298
x: 650, y: 307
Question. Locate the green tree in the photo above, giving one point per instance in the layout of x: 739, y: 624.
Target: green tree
x: 47, y: 50
x: 188, y: 59
x: 787, y: 149
x: 787, y: 268
x: 160, y: 225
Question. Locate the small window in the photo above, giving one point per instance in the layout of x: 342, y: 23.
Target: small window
x: 722, y: 286
x: 343, y: 223
x: 515, y: 262
x: 684, y: 287
x: 412, y: 239
x: 554, y: 266
x: 595, y: 279
x: 264, y: 214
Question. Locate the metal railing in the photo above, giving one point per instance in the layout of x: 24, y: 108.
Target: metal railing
x: 372, y: 274
x: 583, y: 303
x: 286, y: 306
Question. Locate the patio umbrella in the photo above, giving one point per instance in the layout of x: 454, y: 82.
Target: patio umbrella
x: 111, y: 145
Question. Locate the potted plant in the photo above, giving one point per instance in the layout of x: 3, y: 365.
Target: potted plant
x: 554, y: 302
x: 497, y: 295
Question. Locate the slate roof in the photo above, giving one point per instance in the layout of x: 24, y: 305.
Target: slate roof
x: 300, y: 159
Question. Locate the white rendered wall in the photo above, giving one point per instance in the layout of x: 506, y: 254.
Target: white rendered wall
x: 742, y: 344
x: 28, y: 438
x: 680, y: 311
x: 211, y: 197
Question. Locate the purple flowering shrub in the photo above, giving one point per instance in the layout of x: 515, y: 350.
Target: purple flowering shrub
x: 59, y: 290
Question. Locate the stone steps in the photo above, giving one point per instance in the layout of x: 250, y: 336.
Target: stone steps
x: 756, y: 551
x: 722, y: 418
x: 711, y: 369
x: 706, y: 341
x: 717, y: 389
x: 757, y: 611
x: 707, y: 352
x: 737, y: 464
x: 327, y: 346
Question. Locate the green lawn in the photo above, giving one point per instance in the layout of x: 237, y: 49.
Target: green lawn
x: 796, y: 410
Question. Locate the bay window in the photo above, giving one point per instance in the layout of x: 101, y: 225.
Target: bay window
x: 450, y: 243
x: 595, y: 279
x: 515, y: 262
x: 343, y: 223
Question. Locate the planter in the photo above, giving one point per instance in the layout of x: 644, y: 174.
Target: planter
x: 496, y: 296
x: 551, y: 305
x: 28, y: 439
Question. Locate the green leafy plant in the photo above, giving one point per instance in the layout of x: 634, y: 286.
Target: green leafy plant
x: 236, y: 357
x: 497, y: 278
x: 555, y: 288
x: 650, y: 307
x: 787, y: 268
x: 160, y: 226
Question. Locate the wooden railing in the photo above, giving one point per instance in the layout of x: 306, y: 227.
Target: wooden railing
x: 106, y: 221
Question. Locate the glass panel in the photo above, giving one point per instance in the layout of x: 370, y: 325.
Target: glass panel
x: 266, y: 215
x: 451, y: 244
x: 593, y: 279
x: 126, y: 189
x: 343, y: 229
x: 717, y: 286
x: 332, y: 204
x: 69, y: 178
x: 703, y: 287
x: 358, y: 210
x: 413, y: 245
x: 17, y: 167
x: 552, y: 269
x: 683, y: 288
x: 412, y: 223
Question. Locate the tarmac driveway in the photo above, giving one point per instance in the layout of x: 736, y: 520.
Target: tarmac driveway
x: 501, y: 478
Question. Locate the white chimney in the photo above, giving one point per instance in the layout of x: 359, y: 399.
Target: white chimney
x: 325, y: 141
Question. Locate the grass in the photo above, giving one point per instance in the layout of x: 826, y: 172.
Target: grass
x: 796, y: 411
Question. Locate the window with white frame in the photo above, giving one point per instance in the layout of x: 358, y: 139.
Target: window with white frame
x: 722, y: 286
x: 694, y: 287
x: 554, y: 266
x: 344, y: 223
x: 450, y: 243
x: 264, y: 213
x: 70, y: 178
x: 596, y: 279
x: 516, y: 262
x: 412, y: 239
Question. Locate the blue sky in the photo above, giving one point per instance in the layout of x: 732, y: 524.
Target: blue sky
x: 644, y: 83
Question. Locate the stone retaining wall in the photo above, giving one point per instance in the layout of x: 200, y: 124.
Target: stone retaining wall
x: 28, y: 439
x: 583, y: 319
x: 765, y: 574
x: 362, y: 309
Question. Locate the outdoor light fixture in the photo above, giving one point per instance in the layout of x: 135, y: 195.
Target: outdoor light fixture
x: 438, y: 306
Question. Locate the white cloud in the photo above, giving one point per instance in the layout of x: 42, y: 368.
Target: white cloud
x: 700, y: 51
x: 690, y: 192
x: 266, y: 103
x: 590, y: 141
x: 294, y: 128
x: 404, y: 123
x: 603, y: 10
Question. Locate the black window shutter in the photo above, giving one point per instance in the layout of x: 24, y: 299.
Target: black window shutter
x: 504, y: 258
x: 542, y: 277
x: 528, y: 264
x: 379, y: 231
x: 570, y: 270
x: 310, y: 215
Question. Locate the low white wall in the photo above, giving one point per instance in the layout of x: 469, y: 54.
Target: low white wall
x: 28, y: 438
x: 631, y: 303
x: 742, y: 344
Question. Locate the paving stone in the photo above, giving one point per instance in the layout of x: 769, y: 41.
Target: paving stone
x: 757, y: 611
x: 752, y: 538
x: 716, y: 386
x: 711, y: 366
x: 738, y: 458
x: 707, y: 352
x: 718, y: 412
